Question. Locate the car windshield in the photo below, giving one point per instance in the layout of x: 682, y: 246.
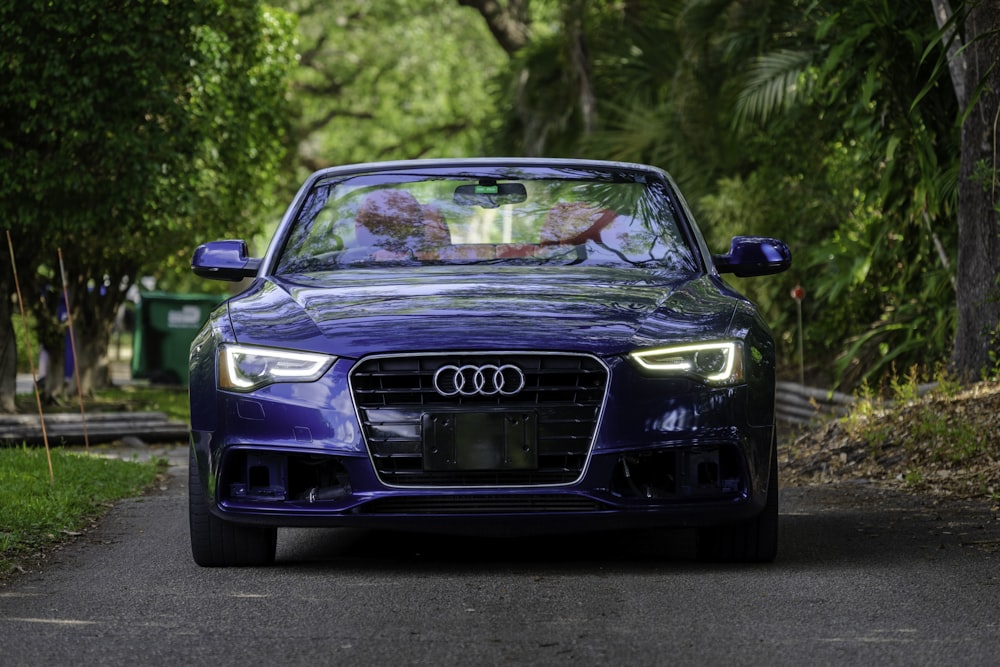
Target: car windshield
x: 552, y: 218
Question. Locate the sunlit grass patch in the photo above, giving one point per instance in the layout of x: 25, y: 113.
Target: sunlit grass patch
x: 38, y: 513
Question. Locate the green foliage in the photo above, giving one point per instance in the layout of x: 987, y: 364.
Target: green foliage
x: 813, y: 122
x: 172, y: 401
x: 907, y: 414
x: 826, y: 124
x: 797, y: 202
x: 914, y: 477
x: 24, y: 338
x: 38, y: 513
x: 132, y: 131
x: 958, y: 442
x: 890, y: 273
x: 391, y: 79
x: 775, y: 82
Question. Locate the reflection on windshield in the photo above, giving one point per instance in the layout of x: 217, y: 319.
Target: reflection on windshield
x: 363, y: 222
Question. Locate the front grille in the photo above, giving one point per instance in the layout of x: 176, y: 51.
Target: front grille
x: 549, y: 424
x: 483, y: 504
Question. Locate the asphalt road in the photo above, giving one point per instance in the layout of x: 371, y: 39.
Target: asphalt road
x: 864, y: 577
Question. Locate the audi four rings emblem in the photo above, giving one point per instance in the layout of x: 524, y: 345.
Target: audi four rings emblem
x: 485, y: 380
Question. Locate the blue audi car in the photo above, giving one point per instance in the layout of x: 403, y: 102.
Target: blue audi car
x: 484, y: 346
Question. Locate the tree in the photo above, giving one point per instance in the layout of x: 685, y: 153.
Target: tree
x: 130, y: 133
x: 912, y: 133
x: 821, y: 122
x: 883, y: 279
x: 977, y: 338
x: 356, y: 100
x: 509, y: 25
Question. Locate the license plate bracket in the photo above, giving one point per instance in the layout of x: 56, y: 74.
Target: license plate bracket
x: 486, y: 441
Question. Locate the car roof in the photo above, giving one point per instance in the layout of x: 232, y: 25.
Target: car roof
x: 484, y: 163
x: 431, y: 163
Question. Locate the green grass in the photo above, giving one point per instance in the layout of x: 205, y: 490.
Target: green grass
x: 142, y: 398
x: 39, y: 514
x: 128, y: 398
x: 36, y: 515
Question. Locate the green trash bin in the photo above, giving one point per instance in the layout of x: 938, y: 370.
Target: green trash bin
x: 165, y: 325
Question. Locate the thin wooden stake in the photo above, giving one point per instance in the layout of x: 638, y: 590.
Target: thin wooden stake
x: 72, y: 346
x: 31, y: 361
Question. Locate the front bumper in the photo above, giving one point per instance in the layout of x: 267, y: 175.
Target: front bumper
x: 668, y: 485
x: 666, y: 453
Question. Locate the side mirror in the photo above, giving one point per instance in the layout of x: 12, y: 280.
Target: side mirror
x: 754, y: 256
x: 224, y: 260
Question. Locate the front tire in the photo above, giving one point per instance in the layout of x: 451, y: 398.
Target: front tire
x: 753, y: 541
x: 218, y: 543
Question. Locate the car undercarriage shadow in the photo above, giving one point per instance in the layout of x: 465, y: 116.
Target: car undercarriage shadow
x: 845, y: 524
x: 384, y: 550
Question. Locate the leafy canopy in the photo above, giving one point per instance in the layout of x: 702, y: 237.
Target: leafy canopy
x: 130, y: 129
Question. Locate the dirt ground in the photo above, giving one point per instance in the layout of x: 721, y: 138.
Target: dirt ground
x: 946, y: 445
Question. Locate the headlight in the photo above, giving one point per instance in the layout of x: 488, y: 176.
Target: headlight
x: 244, y: 368
x: 714, y: 363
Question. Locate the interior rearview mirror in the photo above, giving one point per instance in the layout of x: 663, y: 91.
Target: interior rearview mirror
x: 488, y: 194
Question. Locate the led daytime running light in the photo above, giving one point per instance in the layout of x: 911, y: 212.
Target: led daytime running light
x: 682, y: 360
x: 243, y: 368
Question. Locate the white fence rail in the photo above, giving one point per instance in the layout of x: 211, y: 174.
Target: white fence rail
x: 798, y: 404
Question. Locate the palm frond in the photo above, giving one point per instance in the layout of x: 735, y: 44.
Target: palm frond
x: 776, y: 81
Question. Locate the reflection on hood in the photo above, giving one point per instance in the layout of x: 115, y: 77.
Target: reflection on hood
x: 598, y: 310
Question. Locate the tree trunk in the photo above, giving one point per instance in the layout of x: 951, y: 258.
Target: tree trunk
x: 8, y: 353
x: 18, y: 266
x: 978, y: 298
x: 45, y: 303
x: 93, y: 364
x: 93, y: 321
x: 579, y: 61
x: 952, y: 43
x: 509, y: 24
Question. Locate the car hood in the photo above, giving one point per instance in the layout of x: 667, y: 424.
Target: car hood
x: 598, y: 310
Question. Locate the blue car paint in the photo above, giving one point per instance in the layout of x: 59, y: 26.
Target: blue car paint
x: 603, y: 311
